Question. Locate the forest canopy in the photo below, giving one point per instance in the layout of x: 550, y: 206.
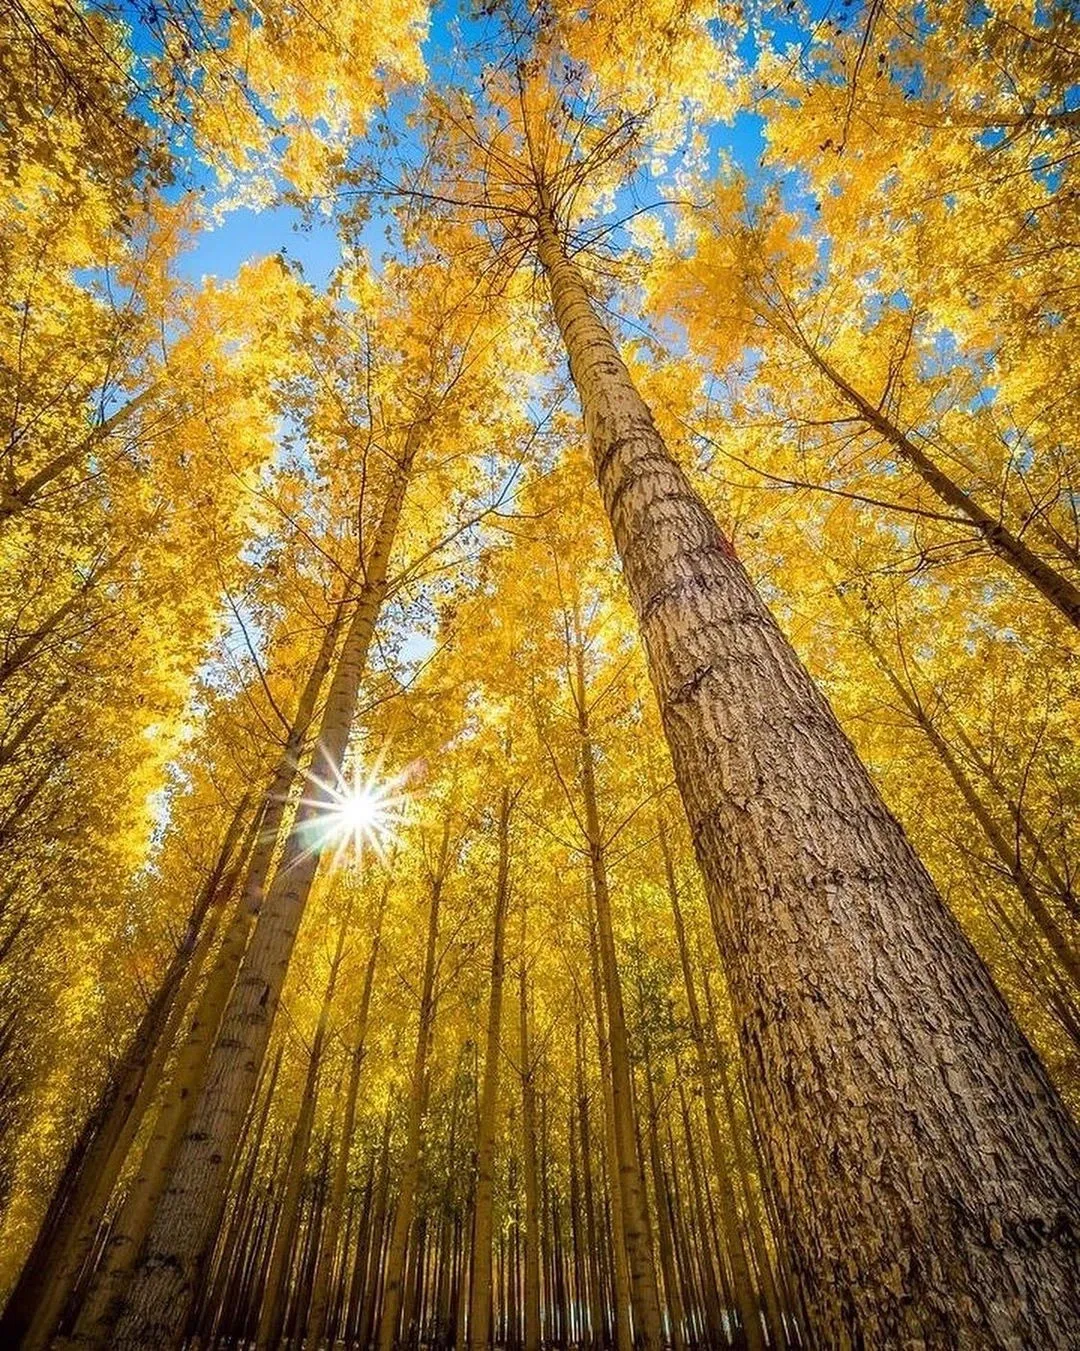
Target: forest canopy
x: 539, y: 589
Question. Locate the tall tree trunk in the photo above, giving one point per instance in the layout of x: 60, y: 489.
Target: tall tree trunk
x: 547, y: 1284
x: 237, y: 1245
x: 483, y: 1207
x: 297, y: 1316
x: 620, y: 1269
x: 104, y: 1301
x: 718, y: 1057
x: 714, y: 1281
x: 684, y: 1249
x: 373, y: 1255
x: 337, y: 1322
x: 663, y: 1216
x: 644, y: 1292
x: 164, y: 1283
x: 841, y: 957
x: 82, y: 1195
x: 774, y: 1312
x: 528, y: 1137
x: 447, y: 1294
x: 393, y: 1290
x: 734, y: 1244
x: 275, y: 1296
x: 596, y: 1294
x: 320, y: 1293
x: 354, y: 1264
x: 579, y: 1327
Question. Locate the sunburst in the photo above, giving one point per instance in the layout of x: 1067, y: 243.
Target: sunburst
x: 356, y: 810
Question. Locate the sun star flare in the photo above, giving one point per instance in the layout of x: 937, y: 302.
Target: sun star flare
x: 359, y: 810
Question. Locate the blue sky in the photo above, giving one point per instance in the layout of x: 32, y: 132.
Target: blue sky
x: 245, y: 233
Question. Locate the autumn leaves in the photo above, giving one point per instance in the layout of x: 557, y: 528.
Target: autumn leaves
x: 254, y: 534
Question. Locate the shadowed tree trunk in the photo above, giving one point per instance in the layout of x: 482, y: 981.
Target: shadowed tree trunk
x: 663, y: 1216
x: 275, y: 1294
x: 620, y: 1270
x: 644, y: 1292
x: 745, y: 1295
x: 528, y: 1135
x: 596, y: 1293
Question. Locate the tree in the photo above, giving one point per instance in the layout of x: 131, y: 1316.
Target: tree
x: 814, y: 853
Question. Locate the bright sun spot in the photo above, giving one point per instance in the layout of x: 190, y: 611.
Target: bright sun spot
x: 358, y: 812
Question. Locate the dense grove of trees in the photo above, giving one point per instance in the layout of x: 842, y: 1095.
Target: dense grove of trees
x: 539, y: 785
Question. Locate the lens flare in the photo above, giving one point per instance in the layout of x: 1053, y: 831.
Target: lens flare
x: 360, y: 813
x: 355, y: 813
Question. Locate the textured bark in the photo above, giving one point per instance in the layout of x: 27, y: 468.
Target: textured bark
x: 924, y: 1166
x: 393, y: 1290
x: 104, y: 1301
x: 164, y: 1283
x: 70, y: 1228
x: 483, y: 1207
